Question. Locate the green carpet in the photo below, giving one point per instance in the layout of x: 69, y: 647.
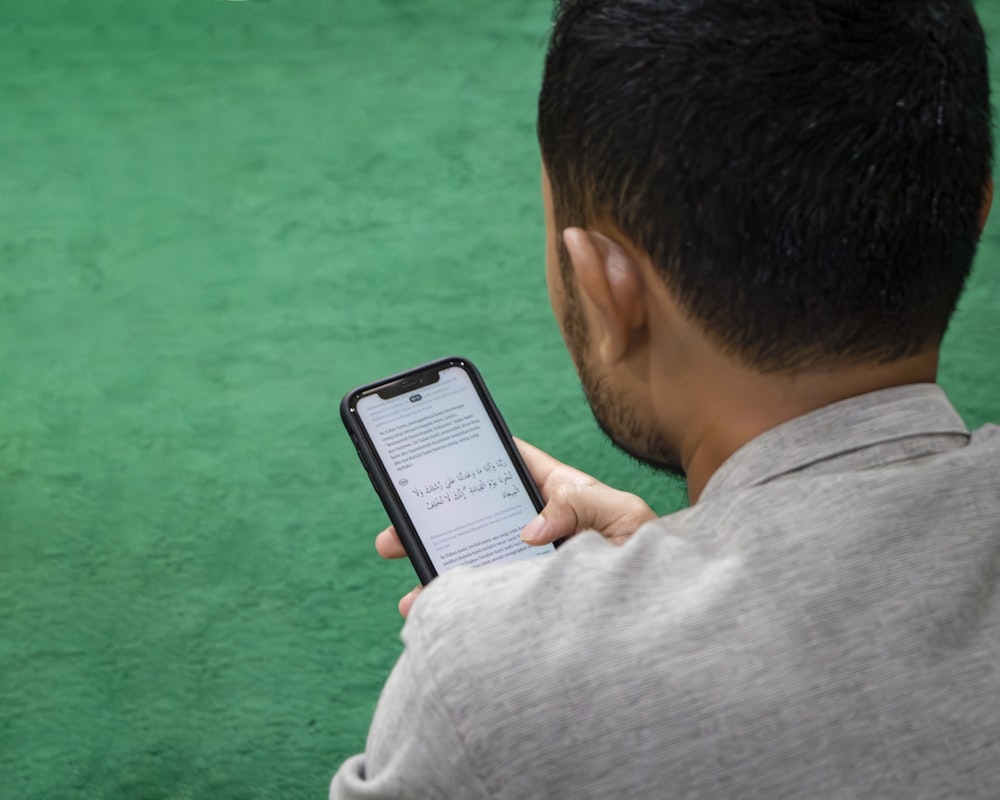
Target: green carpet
x: 215, y: 218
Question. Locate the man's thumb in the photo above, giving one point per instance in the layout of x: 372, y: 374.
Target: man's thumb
x: 563, y: 515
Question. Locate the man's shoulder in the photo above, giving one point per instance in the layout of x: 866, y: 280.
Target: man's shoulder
x: 581, y: 579
x: 596, y: 620
x: 481, y: 619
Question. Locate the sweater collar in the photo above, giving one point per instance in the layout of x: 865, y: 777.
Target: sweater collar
x: 860, y: 432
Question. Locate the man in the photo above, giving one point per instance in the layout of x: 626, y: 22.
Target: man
x: 761, y: 215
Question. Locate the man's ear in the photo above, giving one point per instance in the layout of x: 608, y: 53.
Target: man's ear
x: 610, y: 284
x: 984, y: 212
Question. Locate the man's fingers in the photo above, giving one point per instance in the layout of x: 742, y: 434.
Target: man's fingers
x: 388, y: 545
x: 572, y: 508
x: 539, y: 463
x: 548, y: 471
x: 557, y: 520
x: 574, y: 501
x: 406, y: 601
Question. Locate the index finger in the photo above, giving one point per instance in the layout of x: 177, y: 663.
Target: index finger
x: 544, y: 468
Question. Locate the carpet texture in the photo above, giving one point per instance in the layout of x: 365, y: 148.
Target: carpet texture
x: 215, y: 218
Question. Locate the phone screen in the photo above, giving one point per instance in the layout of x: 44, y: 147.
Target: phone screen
x: 451, y: 472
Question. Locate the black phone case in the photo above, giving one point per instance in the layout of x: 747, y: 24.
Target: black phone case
x: 380, y: 479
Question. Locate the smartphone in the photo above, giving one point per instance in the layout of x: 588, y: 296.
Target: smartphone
x: 445, y: 466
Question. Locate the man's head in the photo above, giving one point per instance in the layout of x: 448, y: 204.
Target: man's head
x: 806, y: 178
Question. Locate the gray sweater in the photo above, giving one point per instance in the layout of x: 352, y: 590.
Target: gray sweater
x: 825, y: 622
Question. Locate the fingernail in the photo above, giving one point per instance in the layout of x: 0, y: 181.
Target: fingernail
x: 533, y: 530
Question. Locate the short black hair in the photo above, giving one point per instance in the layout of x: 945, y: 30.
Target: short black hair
x: 807, y: 175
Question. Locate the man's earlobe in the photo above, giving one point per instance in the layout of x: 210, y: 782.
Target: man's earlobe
x: 984, y: 212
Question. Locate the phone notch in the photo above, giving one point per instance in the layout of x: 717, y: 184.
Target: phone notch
x: 409, y: 384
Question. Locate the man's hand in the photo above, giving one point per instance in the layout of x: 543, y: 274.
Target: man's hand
x: 574, y: 502
x: 388, y: 546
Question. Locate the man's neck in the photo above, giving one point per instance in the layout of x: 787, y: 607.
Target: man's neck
x: 745, y: 404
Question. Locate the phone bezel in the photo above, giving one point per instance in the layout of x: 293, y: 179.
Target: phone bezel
x: 407, y: 381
